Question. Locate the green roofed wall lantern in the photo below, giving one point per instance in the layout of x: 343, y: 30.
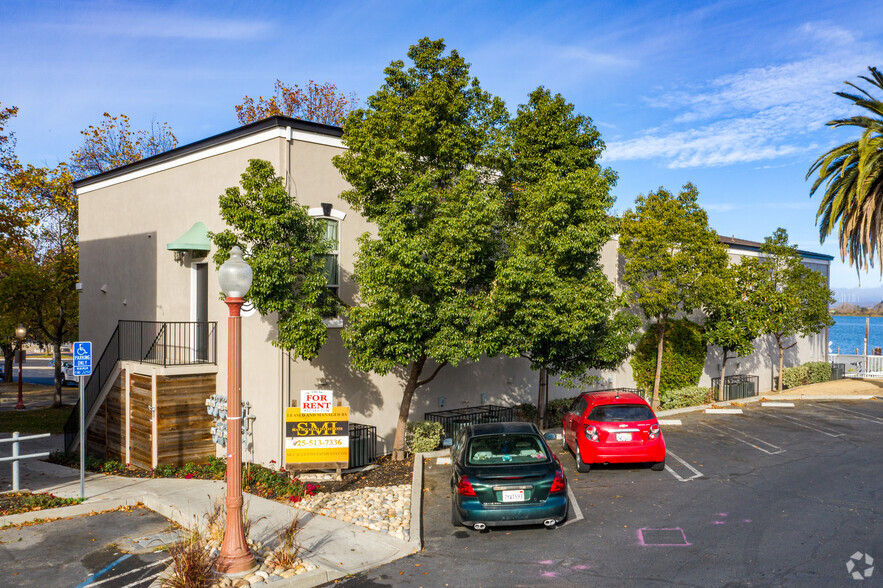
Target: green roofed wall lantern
x: 195, y: 241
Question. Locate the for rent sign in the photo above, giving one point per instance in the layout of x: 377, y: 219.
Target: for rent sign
x: 318, y: 440
x: 316, y: 401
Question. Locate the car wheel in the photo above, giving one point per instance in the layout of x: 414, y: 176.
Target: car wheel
x: 658, y: 466
x: 581, y: 466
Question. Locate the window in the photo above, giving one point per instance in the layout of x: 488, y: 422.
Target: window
x: 506, y: 449
x: 618, y: 413
x: 332, y: 258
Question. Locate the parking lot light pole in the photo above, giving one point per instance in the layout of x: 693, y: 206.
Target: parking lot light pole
x: 20, y: 333
x: 235, y: 278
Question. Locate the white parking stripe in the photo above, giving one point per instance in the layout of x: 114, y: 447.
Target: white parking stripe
x: 576, y: 509
x: 723, y: 411
x: 747, y: 436
x: 778, y: 404
x: 669, y: 422
x: 130, y: 572
x: 800, y: 424
x: 859, y: 415
x: 697, y: 473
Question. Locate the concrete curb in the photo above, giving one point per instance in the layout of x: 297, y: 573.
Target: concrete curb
x: 67, y: 512
x: 776, y: 396
x: 415, y: 538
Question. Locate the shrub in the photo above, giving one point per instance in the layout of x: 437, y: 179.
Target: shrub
x: 525, y: 413
x: 193, y: 563
x: 689, y: 396
x: 423, y: 436
x: 683, y: 357
x: 819, y: 371
x: 556, y: 410
x: 808, y: 373
x: 288, y: 550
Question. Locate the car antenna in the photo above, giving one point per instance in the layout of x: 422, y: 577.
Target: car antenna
x: 617, y: 395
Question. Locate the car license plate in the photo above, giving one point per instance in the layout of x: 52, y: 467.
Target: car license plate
x: 513, y: 495
x: 623, y: 436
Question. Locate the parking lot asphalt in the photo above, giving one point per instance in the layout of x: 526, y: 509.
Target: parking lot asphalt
x: 772, y: 496
x: 110, y: 550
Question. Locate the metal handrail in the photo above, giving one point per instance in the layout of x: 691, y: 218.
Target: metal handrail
x: 181, y: 343
x: 15, y: 458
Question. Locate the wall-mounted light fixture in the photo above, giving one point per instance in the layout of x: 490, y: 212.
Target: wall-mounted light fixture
x: 484, y: 398
x: 441, y: 401
x: 103, y: 288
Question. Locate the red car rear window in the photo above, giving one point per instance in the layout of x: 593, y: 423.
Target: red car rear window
x: 621, y: 413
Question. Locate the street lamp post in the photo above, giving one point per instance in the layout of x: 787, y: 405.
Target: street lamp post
x: 235, y: 278
x: 20, y: 333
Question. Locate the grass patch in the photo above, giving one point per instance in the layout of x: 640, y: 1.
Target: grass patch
x: 16, y: 502
x: 38, y: 420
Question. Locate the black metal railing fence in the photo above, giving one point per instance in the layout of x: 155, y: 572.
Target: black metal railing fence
x: 363, y: 445
x: 161, y: 343
x: 736, y: 386
x: 453, y: 420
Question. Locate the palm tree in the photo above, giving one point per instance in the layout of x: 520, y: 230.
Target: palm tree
x: 853, y: 172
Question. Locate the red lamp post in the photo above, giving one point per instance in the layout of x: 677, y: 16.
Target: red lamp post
x: 235, y: 278
x: 20, y: 333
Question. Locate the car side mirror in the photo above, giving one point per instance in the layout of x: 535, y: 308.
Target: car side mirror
x: 550, y: 436
x: 447, y: 442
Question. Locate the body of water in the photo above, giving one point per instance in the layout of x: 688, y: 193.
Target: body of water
x: 848, y: 333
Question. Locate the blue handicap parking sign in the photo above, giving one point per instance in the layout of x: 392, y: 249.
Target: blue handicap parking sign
x: 82, y: 358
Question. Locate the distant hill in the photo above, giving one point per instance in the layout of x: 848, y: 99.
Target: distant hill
x: 845, y: 308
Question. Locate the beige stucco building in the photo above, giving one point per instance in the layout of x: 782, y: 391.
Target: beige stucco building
x: 131, y: 215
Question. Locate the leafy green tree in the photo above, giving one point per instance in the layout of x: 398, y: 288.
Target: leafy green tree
x: 284, y: 246
x: 794, y: 298
x: 552, y: 302
x: 419, y: 162
x: 673, y: 259
x: 39, y: 285
x: 734, y: 317
x: 853, y: 178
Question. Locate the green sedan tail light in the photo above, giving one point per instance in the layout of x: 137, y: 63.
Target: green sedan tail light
x: 559, y: 484
x: 464, y: 487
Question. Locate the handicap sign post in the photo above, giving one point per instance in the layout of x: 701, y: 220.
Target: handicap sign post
x: 82, y: 368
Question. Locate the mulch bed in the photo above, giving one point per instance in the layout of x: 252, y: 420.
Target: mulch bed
x: 387, y: 473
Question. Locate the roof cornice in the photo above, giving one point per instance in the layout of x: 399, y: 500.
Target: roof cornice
x: 274, y: 122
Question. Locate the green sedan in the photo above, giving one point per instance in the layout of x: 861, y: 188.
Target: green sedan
x: 505, y: 474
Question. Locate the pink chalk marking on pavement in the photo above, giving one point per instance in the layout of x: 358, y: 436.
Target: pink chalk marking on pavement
x: 549, y: 575
x: 719, y: 523
x: 547, y: 562
x: 641, y: 538
x: 721, y: 514
x: 579, y: 567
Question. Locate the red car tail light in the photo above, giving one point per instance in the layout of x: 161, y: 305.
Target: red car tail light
x: 559, y: 484
x: 654, y: 431
x: 591, y: 433
x: 464, y: 487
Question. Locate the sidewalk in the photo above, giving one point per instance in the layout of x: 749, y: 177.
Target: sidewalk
x: 337, y: 548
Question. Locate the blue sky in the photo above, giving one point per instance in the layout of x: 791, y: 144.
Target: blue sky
x: 732, y: 96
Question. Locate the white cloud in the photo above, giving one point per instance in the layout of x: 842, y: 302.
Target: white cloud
x: 758, y: 114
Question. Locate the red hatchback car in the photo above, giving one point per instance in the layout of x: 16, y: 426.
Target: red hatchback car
x: 613, y: 426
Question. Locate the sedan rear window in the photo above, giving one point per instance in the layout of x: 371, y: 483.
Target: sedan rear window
x: 619, y: 413
x: 506, y: 449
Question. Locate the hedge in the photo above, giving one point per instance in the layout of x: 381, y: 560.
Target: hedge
x: 689, y: 396
x: 423, y: 436
x: 683, y: 357
x: 808, y: 373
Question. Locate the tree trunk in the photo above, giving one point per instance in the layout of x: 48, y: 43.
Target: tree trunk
x: 398, y: 447
x: 655, y: 400
x: 542, y: 394
x: 720, y: 392
x: 781, y: 361
x: 59, y: 377
x: 8, y: 361
x: 546, y: 399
